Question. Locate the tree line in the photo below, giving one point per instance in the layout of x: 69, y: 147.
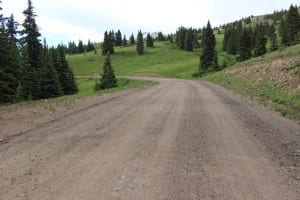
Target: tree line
x: 74, y: 48
x: 30, y: 70
x: 247, y: 40
x: 112, y: 40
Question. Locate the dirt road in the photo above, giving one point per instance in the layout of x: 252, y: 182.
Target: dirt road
x: 176, y: 140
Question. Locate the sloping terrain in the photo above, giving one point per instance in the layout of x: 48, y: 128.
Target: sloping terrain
x: 273, y: 79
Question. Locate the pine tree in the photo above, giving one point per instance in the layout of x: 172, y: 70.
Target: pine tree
x: 111, y: 42
x: 80, y: 47
x: 188, y: 41
x: 215, y: 64
x: 33, y: 54
x: 160, y: 36
x: 195, y: 39
x: 260, y: 41
x: 72, y: 48
x: 293, y: 24
x: 124, y: 43
x: 149, y: 41
x: 50, y: 85
x: 132, y: 40
x: 118, y: 38
x: 105, y: 44
x: 90, y: 46
x: 180, y: 37
x: 208, y: 49
x: 140, y: 43
x: 108, y: 79
x: 112, y: 36
x: 64, y: 72
x: 284, y: 32
x: 274, y: 44
x: 8, y: 61
x: 271, y: 30
x: 245, y: 44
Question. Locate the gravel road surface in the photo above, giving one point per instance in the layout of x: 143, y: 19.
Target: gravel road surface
x: 179, y: 139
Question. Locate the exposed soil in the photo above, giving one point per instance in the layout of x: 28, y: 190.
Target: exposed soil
x: 281, y: 72
x: 176, y: 140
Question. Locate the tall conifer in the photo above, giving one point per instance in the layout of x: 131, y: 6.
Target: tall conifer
x: 149, y: 41
x: 140, y: 43
x: 108, y: 79
x: 33, y: 68
x: 208, y: 49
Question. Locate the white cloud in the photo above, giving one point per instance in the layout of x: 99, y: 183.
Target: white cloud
x: 77, y: 19
x: 52, y: 27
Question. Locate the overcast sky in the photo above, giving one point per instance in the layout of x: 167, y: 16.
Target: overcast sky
x: 64, y: 20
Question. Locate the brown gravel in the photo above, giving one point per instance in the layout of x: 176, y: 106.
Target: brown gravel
x: 176, y: 140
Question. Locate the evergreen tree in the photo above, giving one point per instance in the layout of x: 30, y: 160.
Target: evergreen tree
x: 149, y: 41
x: 108, y: 79
x: 64, y: 72
x: 245, y: 44
x: 111, y: 42
x: 281, y: 26
x: 105, y: 47
x: 215, y: 64
x: 208, y: 49
x: 293, y: 24
x: 140, y: 43
x: 33, y: 54
x: 195, y: 39
x: 274, y: 44
x: 50, y: 85
x: 72, y: 48
x: 124, y: 43
x: 112, y: 36
x: 160, y: 36
x: 119, y: 38
x: 260, y: 41
x: 271, y: 30
x: 180, y: 37
x: 9, y: 65
x: 90, y: 46
x: 80, y: 47
x: 132, y: 40
x: 284, y: 32
x: 188, y: 41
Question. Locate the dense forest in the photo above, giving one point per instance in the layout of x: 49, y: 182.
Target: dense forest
x: 31, y: 70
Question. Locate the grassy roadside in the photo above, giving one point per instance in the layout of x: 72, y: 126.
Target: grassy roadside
x: 273, y: 80
x: 86, y: 88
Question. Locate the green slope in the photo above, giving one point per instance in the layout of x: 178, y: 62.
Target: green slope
x: 163, y: 60
x: 273, y: 80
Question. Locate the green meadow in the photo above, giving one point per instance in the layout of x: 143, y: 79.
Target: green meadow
x: 163, y: 60
x: 166, y: 60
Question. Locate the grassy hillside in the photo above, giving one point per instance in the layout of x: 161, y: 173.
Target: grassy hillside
x: 273, y: 79
x: 163, y: 60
